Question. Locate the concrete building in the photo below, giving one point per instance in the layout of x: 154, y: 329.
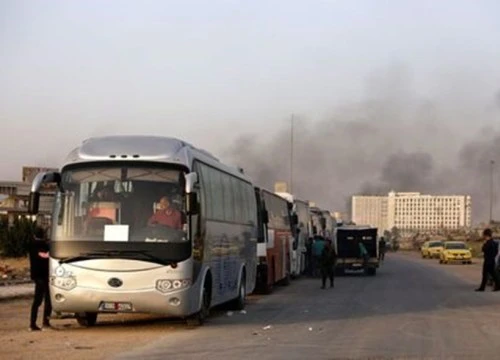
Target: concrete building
x: 412, y: 211
x: 14, y: 198
x: 370, y: 210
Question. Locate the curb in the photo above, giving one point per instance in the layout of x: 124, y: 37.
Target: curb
x: 5, y: 283
x: 16, y: 297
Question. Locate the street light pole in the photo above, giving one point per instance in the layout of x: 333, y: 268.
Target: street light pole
x: 291, y: 154
x: 492, y: 162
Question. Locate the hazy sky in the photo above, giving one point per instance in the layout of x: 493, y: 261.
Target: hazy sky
x: 208, y: 71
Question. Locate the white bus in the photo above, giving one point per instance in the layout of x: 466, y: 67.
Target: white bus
x: 149, y: 225
x: 300, y: 220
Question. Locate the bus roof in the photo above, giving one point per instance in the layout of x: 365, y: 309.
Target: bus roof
x: 145, y: 148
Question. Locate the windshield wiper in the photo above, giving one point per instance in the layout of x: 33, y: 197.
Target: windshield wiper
x: 114, y: 254
x: 145, y: 254
x: 85, y: 256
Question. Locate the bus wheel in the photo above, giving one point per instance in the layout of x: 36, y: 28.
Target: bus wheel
x: 86, y: 319
x: 287, y: 279
x: 239, y: 302
x: 199, y: 318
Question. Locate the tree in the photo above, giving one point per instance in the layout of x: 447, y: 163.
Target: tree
x: 395, y: 238
x: 14, y: 240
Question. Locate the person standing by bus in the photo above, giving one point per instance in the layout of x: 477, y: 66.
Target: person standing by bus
x: 327, y: 263
x: 39, y: 268
x: 363, y: 253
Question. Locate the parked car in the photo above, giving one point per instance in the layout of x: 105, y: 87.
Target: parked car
x: 455, y: 251
x: 431, y: 249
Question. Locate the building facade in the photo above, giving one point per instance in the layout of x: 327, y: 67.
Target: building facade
x: 14, y: 198
x: 412, y: 211
x: 370, y: 210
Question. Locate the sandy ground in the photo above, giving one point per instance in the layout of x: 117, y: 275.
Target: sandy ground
x: 414, y: 308
x: 113, y: 334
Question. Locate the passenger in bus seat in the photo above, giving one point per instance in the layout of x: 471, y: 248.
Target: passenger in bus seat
x: 103, y: 193
x: 166, y: 215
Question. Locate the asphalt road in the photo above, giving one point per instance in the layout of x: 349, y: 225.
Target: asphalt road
x: 411, y: 309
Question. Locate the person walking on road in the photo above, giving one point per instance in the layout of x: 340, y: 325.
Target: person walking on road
x: 381, y: 248
x: 490, y: 250
x: 39, y: 267
x: 327, y: 263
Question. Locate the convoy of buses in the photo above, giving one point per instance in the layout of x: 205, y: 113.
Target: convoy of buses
x: 155, y: 225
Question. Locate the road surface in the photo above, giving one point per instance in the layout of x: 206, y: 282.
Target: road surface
x: 412, y: 309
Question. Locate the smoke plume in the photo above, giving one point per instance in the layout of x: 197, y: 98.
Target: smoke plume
x: 392, y: 141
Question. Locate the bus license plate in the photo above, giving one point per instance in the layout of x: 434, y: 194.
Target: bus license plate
x: 116, y: 306
x: 356, y: 265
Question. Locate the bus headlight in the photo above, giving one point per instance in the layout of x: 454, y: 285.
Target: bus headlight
x: 165, y: 285
x: 65, y: 283
x: 60, y: 271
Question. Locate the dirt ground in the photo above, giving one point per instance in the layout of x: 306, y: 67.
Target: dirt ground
x: 112, y: 334
x: 14, y: 269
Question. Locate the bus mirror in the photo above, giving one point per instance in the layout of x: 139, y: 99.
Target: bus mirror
x: 38, y: 182
x: 265, y: 216
x: 295, y: 244
x: 295, y: 219
x: 323, y: 223
x: 191, y: 180
x: 192, y: 203
x: 34, y: 202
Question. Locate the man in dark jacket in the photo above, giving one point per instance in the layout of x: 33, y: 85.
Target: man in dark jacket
x: 327, y: 262
x: 39, y: 266
x: 490, y: 250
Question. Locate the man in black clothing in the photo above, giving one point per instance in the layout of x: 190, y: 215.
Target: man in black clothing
x: 39, y: 266
x: 490, y: 250
x: 327, y: 264
x: 381, y: 249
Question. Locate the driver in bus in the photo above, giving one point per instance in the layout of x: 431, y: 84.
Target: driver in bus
x: 166, y: 215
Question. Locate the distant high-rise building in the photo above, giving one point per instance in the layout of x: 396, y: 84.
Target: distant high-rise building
x: 412, y: 211
x: 370, y: 210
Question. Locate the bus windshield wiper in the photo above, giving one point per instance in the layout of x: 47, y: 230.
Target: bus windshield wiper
x: 146, y: 254
x: 114, y: 254
x: 85, y: 256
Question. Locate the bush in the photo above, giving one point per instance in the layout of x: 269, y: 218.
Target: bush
x: 14, y: 241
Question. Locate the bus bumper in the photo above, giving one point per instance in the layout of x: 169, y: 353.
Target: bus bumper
x: 178, y: 303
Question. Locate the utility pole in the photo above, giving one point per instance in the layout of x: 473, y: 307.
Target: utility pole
x: 492, y: 162
x: 291, y: 155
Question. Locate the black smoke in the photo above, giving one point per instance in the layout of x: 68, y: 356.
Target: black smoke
x: 394, y: 141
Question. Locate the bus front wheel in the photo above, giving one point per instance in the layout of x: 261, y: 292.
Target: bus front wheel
x: 86, y: 319
x: 199, y: 318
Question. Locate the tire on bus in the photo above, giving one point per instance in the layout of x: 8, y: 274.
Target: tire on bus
x: 239, y: 302
x: 201, y: 315
x: 86, y: 319
x: 287, y: 279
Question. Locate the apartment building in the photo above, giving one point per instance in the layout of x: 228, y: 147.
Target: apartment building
x: 370, y: 210
x: 412, y: 211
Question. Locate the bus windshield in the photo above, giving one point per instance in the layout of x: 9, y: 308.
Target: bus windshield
x: 121, y: 204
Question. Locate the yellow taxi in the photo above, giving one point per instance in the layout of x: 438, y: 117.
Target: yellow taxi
x: 431, y: 249
x: 455, y: 251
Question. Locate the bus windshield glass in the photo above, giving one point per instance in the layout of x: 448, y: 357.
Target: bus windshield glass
x: 121, y: 204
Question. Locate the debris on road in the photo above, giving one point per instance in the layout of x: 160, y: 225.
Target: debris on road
x: 267, y: 327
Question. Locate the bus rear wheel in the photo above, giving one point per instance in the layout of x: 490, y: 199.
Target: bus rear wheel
x: 239, y: 302
x: 86, y: 319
